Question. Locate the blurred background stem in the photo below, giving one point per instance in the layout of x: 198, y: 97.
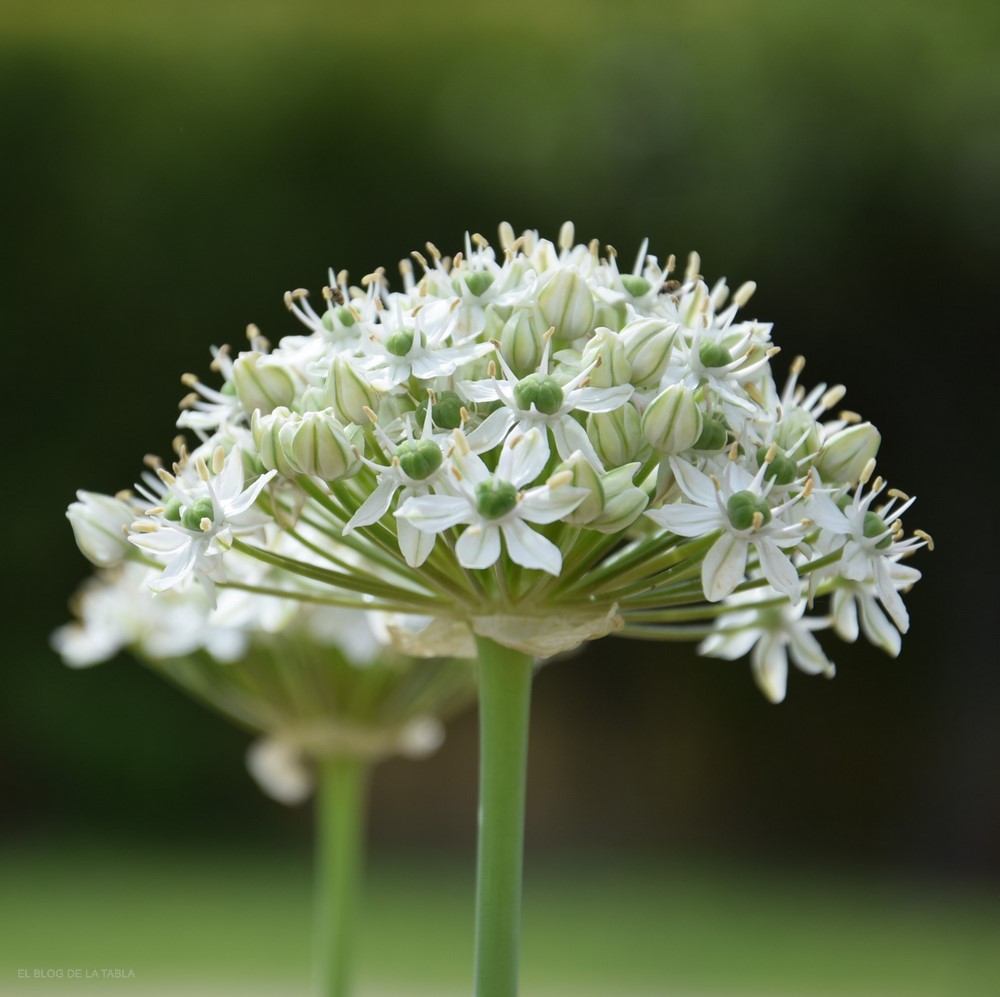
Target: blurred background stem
x: 504, y: 705
x: 340, y: 806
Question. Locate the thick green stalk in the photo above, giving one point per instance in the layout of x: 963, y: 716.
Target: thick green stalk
x: 340, y: 805
x: 504, y: 703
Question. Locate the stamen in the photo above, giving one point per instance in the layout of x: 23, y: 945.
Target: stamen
x: 202, y: 468
x: 694, y: 266
x: 506, y: 232
x: 926, y: 537
x: 798, y: 365
x: 559, y: 479
x: 567, y: 233
x: 848, y: 416
x: 867, y: 471
x: 205, y: 525
x: 833, y: 396
x: 152, y: 461
x: 744, y: 293
x: 218, y: 460
x: 165, y: 476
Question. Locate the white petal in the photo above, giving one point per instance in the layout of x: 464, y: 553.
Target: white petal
x: 546, y: 505
x: 478, y: 546
x: 729, y: 647
x: 479, y: 391
x: 570, y: 436
x: 243, y: 502
x: 845, y: 614
x: 531, y: 549
x: 279, y: 771
x: 807, y: 653
x: 376, y: 505
x: 491, y: 431
x: 434, y: 513
x: 686, y: 520
x: 724, y: 566
x: 698, y: 487
x: 770, y: 667
x: 600, y: 399
x: 415, y: 545
x: 889, y: 597
x: 778, y: 569
x: 523, y: 457
x: 878, y: 629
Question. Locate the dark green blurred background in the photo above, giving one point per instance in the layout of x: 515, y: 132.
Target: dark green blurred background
x: 170, y: 169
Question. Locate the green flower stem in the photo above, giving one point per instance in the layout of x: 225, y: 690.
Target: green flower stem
x: 340, y: 803
x: 504, y: 702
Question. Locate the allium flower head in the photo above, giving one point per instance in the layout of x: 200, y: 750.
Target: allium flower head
x: 533, y: 444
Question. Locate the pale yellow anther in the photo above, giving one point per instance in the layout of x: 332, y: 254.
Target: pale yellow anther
x: 420, y: 258
x: 370, y: 413
x: 867, y: 471
x: 124, y: 494
x: 518, y: 244
x: 567, y: 233
x: 798, y: 365
x: 491, y: 369
x: 549, y: 332
x: 585, y: 383
x: 218, y: 460
x: 877, y: 484
x: 157, y: 510
x: 611, y: 251
x: 342, y: 278
x: 463, y: 414
x: 849, y: 417
x: 516, y: 441
x: 457, y: 261
x: 758, y: 520
x: 715, y: 481
x: 252, y: 333
x: 289, y: 301
x: 807, y: 489
x: 189, y: 400
x: 478, y: 240
x: 693, y: 271
x: 405, y: 268
x: 772, y: 452
x: 151, y: 460
x: 506, y: 233
x: 189, y: 380
x: 734, y: 452
x: 772, y: 351
x: 462, y: 447
x: 433, y: 250
x: 593, y: 247
x: 560, y: 478
x: 833, y: 396
x: 744, y: 292
x: 355, y: 313
x: 143, y: 527
x: 754, y: 394
x: 926, y: 537
x: 671, y: 265
x: 455, y: 304
x: 179, y: 445
x: 205, y: 524
x: 897, y: 494
x: 202, y: 468
x: 416, y: 311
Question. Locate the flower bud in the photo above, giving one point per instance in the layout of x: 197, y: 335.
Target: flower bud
x: 261, y: 384
x: 611, y: 314
x: 648, y: 346
x: 265, y: 430
x: 584, y: 476
x: 846, y: 453
x: 348, y: 392
x: 624, y: 502
x: 617, y: 435
x: 797, y: 433
x: 98, y: 521
x: 568, y: 304
x: 521, y: 341
x: 614, y: 368
x: 317, y: 444
x: 672, y: 422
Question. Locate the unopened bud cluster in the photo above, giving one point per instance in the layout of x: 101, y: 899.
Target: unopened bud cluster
x: 536, y: 444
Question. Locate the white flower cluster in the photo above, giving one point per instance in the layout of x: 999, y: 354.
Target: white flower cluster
x: 532, y: 445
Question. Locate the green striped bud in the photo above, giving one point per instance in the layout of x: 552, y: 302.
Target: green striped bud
x: 584, y: 476
x: 624, y: 503
x: 317, y: 444
x: 521, y: 341
x: 743, y: 507
x: 260, y: 384
x: 672, y: 421
x: 568, y: 304
x: 617, y: 435
x: 265, y: 430
x: 614, y: 367
x: 348, y: 392
x: 648, y: 346
x: 847, y: 453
